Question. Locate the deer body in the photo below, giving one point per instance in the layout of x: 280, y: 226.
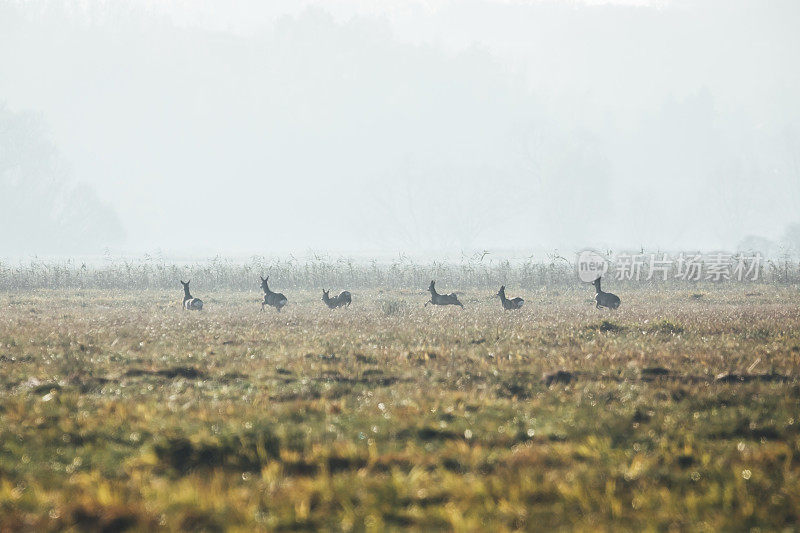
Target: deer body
x: 344, y: 299
x: 605, y: 299
x: 514, y: 303
x: 442, y: 299
x: 190, y: 303
x: 274, y: 299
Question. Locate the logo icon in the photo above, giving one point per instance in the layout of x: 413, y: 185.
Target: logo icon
x: 591, y: 265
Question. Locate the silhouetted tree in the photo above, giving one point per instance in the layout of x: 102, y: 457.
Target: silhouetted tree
x: 41, y: 210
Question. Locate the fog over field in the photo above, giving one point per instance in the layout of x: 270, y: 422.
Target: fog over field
x: 245, y: 127
x: 426, y: 265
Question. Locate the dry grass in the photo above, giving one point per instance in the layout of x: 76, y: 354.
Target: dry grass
x: 118, y: 409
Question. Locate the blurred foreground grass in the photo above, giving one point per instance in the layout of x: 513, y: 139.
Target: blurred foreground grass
x: 119, y: 410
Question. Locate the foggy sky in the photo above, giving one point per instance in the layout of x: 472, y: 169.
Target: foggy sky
x: 270, y: 127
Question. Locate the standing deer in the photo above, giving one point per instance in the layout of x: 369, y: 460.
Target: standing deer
x: 605, y: 299
x: 275, y: 299
x: 344, y: 299
x: 514, y: 303
x: 190, y: 303
x: 442, y: 299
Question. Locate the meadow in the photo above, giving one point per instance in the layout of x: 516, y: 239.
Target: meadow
x: 119, y: 410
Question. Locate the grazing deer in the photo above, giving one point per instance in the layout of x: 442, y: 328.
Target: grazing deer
x: 605, y: 299
x: 275, y: 299
x: 190, y: 303
x: 514, y: 303
x: 442, y: 299
x: 344, y: 299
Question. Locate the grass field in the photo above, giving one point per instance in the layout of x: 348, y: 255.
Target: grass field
x: 681, y: 410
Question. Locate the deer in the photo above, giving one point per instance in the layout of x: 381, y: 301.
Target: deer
x: 509, y: 305
x: 274, y: 299
x: 442, y: 299
x: 190, y: 303
x: 344, y: 299
x: 604, y: 299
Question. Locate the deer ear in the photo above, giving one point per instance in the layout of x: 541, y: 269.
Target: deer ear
x: 262, y: 277
x: 183, y: 282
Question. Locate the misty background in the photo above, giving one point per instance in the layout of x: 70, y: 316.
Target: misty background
x: 218, y: 127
